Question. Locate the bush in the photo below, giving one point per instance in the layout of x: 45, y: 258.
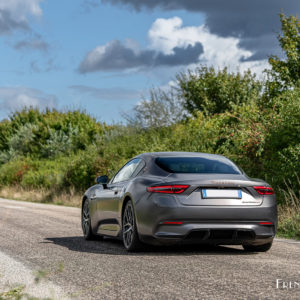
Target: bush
x: 13, y: 171
x: 46, y: 174
x: 58, y: 143
x: 82, y: 170
x: 212, y: 92
x: 47, y: 134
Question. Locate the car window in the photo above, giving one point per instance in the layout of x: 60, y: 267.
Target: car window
x: 199, y: 165
x: 139, y: 168
x: 126, y: 172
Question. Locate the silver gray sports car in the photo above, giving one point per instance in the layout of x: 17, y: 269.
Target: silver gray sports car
x: 181, y: 197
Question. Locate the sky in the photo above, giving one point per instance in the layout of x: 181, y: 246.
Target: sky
x: 103, y: 56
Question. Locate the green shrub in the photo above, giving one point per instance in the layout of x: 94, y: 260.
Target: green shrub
x: 58, y: 143
x: 13, y: 171
x: 46, y: 174
x: 83, y: 169
x: 47, y: 134
x: 211, y: 91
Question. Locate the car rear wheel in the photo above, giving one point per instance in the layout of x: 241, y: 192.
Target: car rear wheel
x: 86, y: 222
x: 258, y: 248
x: 129, y: 230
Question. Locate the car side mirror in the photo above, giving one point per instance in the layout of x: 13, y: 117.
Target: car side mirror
x: 102, y: 180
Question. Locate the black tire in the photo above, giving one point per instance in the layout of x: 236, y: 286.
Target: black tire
x: 258, y: 248
x: 129, y: 229
x: 86, y: 222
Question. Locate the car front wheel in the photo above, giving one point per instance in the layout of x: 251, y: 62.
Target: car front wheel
x: 86, y: 221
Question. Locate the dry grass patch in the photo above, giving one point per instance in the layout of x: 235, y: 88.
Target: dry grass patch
x: 289, y: 215
x: 67, y: 198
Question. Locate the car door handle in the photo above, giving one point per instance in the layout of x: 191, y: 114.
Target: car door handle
x: 116, y: 192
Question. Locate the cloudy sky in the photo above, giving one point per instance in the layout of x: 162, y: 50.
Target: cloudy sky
x: 102, y: 56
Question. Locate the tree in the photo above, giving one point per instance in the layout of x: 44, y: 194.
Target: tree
x: 212, y: 92
x: 285, y: 73
x: 163, y: 108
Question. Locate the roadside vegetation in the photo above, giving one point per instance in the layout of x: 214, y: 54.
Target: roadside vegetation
x: 54, y: 156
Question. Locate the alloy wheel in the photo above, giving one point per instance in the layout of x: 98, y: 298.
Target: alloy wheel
x: 128, y: 225
x: 85, y: 218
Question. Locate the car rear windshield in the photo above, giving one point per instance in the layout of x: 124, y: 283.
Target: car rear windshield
x: 198, y: 165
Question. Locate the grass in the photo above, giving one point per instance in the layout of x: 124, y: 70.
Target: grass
x: 66, y: 198
x: 16, y: 293
x: 289, y: 215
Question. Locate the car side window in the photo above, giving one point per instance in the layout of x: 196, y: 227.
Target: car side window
x: 139, y: 168
x: 126, y: 172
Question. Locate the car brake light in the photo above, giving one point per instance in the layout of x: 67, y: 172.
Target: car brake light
x: 168, y: 189
x: 264, y: 190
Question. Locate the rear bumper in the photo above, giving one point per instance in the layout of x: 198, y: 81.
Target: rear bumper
x: 212, y: 233
x: 231, y: 225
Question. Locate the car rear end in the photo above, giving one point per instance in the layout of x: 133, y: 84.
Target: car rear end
x: 217, y: 208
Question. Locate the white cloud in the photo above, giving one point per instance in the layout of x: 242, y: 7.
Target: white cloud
x: 16, y: 98
x: 14, y: 14
x: 172, y: 47
x: 165, y: 34
x: 19, y: 9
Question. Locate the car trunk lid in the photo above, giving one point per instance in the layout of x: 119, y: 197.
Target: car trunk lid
x: 217, y: 189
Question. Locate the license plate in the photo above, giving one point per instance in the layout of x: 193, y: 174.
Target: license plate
x: 221, y: 193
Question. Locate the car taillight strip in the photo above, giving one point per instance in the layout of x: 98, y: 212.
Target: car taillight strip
x: 264, y: 190
x: 265, y: 223
x: 172, y: 223
x: 168, y: 189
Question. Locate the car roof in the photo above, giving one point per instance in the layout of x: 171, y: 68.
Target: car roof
x: 179, y: 154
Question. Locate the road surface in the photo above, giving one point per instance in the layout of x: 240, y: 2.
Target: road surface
x: 47, y: 239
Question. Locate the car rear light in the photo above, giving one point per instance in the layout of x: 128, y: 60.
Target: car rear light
x: 264, y: 190
x: 265, y: 223
x: 172, y: 223
x: 168, y: 189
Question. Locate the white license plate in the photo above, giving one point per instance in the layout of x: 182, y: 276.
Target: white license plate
x: 221, y: 193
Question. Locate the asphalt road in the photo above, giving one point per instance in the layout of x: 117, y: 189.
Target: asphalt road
x: 48, y: 238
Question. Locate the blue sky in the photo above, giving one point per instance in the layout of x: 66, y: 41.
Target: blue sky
x: 103, y: 56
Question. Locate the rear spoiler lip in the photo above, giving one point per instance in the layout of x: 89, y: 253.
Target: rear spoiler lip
x: 217, y: 184
x: 213, y: 180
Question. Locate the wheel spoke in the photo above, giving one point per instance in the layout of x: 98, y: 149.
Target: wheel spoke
x: 128, y: 238
x: 85, y: 213
x: 130, y: 216
x: 127, y: 215
x: 85, y: 227
x: 127, y: 230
